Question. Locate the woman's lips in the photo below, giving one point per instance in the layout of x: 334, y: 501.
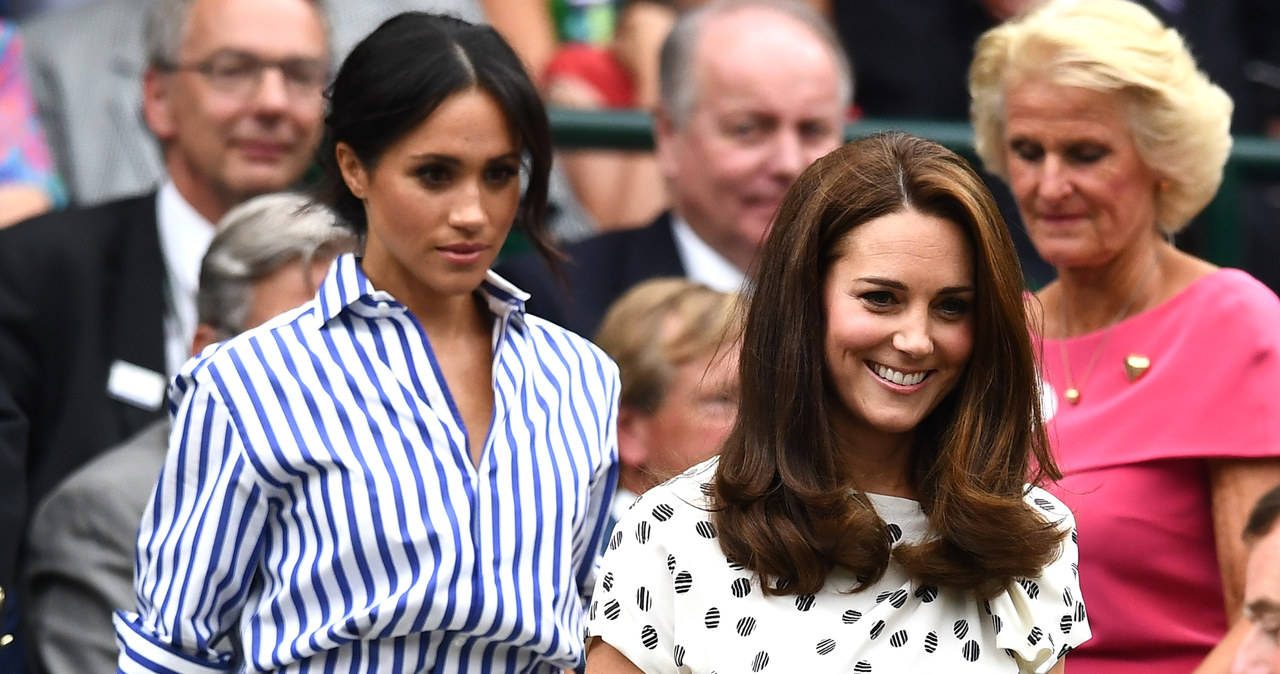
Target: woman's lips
x: 1060, y: 219
x: 463, y: 253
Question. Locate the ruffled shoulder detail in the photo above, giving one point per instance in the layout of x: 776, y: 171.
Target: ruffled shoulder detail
x: 1039, y: 620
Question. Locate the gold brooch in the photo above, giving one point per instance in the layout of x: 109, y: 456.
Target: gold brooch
x: 1136, y: 365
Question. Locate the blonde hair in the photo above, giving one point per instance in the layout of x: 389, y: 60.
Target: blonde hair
x: 1180, y: 121
x: 659, y: 325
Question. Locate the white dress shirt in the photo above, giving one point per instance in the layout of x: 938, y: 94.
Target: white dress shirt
x: 702, y: 263
x: 184, y: 238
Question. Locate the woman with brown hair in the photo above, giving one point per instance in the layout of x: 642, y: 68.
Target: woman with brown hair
x: 870, y: 511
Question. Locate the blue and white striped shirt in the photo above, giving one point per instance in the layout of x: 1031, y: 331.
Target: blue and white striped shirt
x: 319, y: 510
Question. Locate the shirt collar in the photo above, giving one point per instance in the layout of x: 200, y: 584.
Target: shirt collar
x: 701, y: 262
x: 346, y: 286
x: 184, y: 237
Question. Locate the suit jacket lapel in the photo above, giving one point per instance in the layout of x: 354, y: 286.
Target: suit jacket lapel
x: 136, y: 333
x: 653, y: 253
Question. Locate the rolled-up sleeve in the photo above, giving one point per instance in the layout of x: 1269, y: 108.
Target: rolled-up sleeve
x: 198, y: 546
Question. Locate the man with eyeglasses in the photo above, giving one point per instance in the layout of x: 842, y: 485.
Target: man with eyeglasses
x: 97, y: 305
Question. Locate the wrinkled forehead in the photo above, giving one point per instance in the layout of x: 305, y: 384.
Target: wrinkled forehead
x: 265, y: 28
x: 758, y: 49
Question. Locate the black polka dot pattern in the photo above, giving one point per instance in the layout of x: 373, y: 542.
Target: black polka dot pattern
x: 927, y: 593
x: 891, y: 625
x: 1035, y: 636
x: 643, y: 601
x: 642, y: 533
x: 877, y: 629
x: 649, y: 637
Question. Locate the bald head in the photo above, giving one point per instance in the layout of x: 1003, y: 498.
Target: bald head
x: 753, y: 91
x: 688, y: 42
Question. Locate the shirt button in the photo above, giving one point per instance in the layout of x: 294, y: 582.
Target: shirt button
x: 384, y: 308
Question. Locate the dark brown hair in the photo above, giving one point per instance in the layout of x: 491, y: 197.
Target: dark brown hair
x: 785, y: 504
x: 397, y: 76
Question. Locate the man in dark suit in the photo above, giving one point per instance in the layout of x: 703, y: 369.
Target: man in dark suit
x: 97, y: 306
x: 751, y: 94
x: 267, y: 257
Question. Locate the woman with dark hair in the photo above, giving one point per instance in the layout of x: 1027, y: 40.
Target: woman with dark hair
x: 870, y: 511
x: 408, y: 473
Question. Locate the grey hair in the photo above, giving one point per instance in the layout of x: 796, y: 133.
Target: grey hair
x: 255, y: 239
x: 166, y: 28
x: 677, y: 83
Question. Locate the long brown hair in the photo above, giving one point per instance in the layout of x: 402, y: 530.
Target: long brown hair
x: 784, y: 503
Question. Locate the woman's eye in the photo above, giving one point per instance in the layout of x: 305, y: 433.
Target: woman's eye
x: 433, y: 175
x: 1087, y: 154
x: 878, y: 298
x: 501, y: 174
x: 1027, y: 151
x: 953, y: 307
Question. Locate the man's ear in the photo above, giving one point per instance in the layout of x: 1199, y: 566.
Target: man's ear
x: 157, y: 104
x: 666, y: 141
x: 205, y: 335
x: 633, y: 437
x: 352, y: 169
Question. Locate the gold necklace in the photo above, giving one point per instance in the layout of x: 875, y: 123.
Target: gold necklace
x: 1072, y: 394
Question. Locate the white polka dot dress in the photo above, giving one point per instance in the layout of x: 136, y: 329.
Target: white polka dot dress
x: 668, y: 600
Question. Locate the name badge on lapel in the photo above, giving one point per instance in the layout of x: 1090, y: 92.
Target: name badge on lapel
x: 136, y: 385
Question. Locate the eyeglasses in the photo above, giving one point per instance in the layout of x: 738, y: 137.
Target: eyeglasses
x: 240, y: 73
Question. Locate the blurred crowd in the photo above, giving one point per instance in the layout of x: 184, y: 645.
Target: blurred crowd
x: 174, y: 173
